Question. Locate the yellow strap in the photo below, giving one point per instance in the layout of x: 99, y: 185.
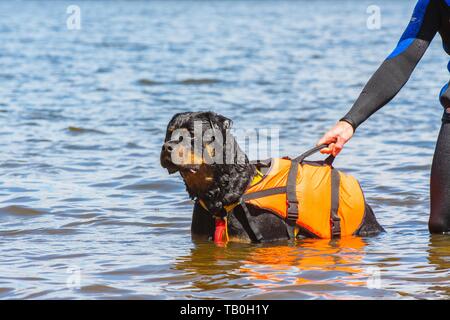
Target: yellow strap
x: 296, y: 230
x: 226, y: 230
x: 257, y: 178
x: 227, y: 208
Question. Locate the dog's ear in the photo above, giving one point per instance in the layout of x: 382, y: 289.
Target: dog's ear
x: 224, y: 121
x: 177, y: 117
x: 176, y: 121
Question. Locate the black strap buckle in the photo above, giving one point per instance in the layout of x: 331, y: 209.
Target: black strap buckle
x: 291, y: 202
x: 292, y: 211
x: 335, y: 228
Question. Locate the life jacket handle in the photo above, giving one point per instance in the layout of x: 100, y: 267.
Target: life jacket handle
x: 329, y: 160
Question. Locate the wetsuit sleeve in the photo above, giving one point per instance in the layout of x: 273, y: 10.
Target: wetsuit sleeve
x: 395, y: 71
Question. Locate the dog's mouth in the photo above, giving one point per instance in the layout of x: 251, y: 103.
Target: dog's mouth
x: 186, y: 164
x: 169, y: 165
x: 197, y: 177
x: 183, y: 169
x: 166, y: 162
x: 189, y: 168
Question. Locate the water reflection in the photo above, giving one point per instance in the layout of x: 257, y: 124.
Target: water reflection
x: 281, y: 264
x: 439, y: 252
x: 439, y: 257
x: 79, y: 158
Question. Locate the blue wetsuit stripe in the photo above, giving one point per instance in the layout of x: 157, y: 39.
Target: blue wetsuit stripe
x: 413, y: 28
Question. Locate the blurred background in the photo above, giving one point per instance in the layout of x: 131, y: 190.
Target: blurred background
x: 87, y: 89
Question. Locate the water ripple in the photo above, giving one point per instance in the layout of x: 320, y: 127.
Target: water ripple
x: 21, y: 211
x: 84, y: 113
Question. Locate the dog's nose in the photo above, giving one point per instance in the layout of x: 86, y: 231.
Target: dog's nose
x: 167, y: 147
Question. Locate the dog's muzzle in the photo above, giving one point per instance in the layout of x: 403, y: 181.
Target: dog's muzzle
x: 166, y: 158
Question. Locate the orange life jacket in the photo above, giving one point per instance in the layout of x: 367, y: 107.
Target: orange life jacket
x: 313, y: 195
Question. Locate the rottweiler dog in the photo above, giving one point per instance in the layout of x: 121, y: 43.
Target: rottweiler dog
x: 217, y: 173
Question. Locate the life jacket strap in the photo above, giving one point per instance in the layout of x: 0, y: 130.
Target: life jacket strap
x: 257, y: 234
x: 335, y: 220
x: 291, y: 194
x: 291, y: 191
x: 263, y: 193
x: 310, y: 152
x: 291, y: 187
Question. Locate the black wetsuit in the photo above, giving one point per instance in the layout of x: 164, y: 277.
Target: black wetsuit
x: 429, y: 17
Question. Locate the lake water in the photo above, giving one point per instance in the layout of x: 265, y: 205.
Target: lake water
x: 85, y: 209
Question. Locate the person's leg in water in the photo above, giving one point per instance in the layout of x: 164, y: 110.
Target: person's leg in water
x: 440, y: 180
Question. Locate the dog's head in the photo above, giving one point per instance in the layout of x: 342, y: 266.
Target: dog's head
x: 199, y: 146
x: 189, y: 138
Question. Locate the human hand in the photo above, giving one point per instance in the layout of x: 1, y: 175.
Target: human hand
x: 336, y: 138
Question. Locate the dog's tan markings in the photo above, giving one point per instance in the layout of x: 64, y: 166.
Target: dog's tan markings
x: 211, y: 151
x: 200, y: 180
x: 186, y: 156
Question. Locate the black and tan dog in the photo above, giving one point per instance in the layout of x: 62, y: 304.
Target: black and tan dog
x: 278, y: 199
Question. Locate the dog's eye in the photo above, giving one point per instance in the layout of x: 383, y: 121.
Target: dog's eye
x: 209, y: 139
x: 180, y: 139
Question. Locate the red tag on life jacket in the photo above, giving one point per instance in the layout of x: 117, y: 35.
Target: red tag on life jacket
x: 220, y: 234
